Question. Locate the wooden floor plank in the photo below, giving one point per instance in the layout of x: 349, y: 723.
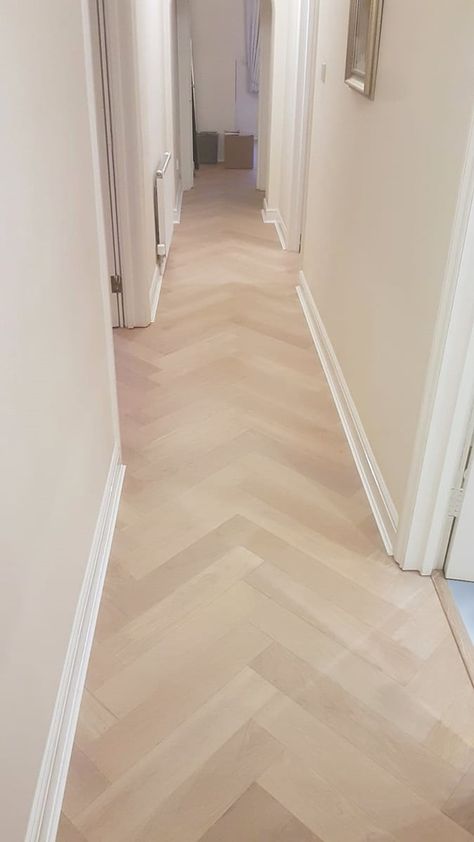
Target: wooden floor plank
x: 261, y: 669
x: 124, y: 809
x: 257, y: 817
x: 352, y: 777
x: 319, y: 805
x: 208, y: 793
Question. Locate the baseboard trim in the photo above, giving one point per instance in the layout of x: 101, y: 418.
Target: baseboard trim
x: 47, y: 803
x: 179, y: 205
x: 155, y: 291
x: 269, y: 215
x: 378, y: 495
x: 272, y: 216
x: 282, y: 233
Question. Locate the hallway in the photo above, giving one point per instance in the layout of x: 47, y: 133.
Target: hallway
x: 261, y: 671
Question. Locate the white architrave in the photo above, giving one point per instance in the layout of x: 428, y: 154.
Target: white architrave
x: 185, y: 94
x: 448, y: 400
x: 283, y: 168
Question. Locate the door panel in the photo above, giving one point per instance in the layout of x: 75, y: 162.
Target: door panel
x: 460, y: 557
x: 98, y: 16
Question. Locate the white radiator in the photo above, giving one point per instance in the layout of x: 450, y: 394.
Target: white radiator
x: 164, y: 205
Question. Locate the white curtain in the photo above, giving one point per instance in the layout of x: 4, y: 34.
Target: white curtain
x: 252, y: 37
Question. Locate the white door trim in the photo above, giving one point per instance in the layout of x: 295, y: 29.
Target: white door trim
x: 88, y: 8
x: 305, y: 81
x: 448, y: 399
x: 459, y: 556
x: 119, y: 118
x: 299, y: 93
x: 183, y: 24
x: 132, y: 191
x: 264, y: 97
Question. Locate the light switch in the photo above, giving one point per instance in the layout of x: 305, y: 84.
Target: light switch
x: 324, y: 68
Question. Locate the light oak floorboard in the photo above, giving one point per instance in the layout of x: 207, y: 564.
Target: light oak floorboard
x: 261, y: 670
x: 257, y: 817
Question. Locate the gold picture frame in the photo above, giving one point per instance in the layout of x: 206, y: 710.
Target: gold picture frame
x: 363, y: 42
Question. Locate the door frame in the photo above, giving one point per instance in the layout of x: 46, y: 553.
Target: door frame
x: 132, y: 192
x: 448, y: 401
x: 110, y: 51
x: 88, y: 8
x: 264, y: 96
x: 299, y: 95
x: 183, y: 23
x: 305, y: 87
x: 98, y: 22
x: 466, y: 476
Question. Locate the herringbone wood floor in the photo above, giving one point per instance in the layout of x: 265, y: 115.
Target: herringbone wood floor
x: 261, y: 671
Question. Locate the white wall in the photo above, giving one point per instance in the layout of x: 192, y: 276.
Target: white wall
x: 283, y: 104
x: 265, y: 87
x: 183, y: 27
x: 288, y: 118
x: 175, y: 94
x: 218, y: 34
x: 278, y: 73
x: 383, y: 185
x: 57, y: 430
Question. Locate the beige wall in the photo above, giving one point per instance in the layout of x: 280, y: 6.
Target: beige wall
x: 383, y: 184
x: 57, y: 427
x: 284, y: 103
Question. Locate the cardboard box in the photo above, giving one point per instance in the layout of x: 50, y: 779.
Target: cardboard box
x: 238, y: 151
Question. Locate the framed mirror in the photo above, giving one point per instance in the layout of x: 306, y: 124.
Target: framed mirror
x: 365, y: 23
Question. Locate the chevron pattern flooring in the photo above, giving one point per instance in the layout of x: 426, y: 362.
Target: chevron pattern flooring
x: 261, y: 671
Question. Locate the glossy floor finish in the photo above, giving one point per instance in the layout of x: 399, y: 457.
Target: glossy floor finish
x: 261, y: 670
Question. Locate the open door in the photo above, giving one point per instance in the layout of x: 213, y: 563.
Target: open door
x: 98, y: 17
x: 460, y: 554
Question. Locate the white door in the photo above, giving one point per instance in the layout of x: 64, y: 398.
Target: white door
x: 460, y: 556
x: 98, y: 17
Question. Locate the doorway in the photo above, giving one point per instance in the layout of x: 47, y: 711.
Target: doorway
x: 280, y: 116
x: 225, y: 37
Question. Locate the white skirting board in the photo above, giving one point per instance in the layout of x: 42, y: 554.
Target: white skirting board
x: 378, y: 495
x: 272, y: 216
x: 155, y: 291
x: 178, y: 205
x: 47, y: 803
